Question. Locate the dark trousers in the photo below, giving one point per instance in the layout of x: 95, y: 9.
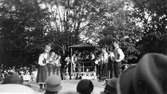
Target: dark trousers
x: 98, y: 70
x: 69, y: 69
x: 58, y: 71
x: 54, y: 69
x: 62, y: 71
x: 113, y: 69
x: 110, y: 69
x: 103, y: 71
x: 116, y: 68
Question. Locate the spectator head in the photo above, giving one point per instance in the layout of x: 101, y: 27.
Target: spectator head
x: 85, y: 86
x: 147, y: 77
x: 110, y: 87
x: 15, y: 89
x: 53, y: 84
x: 12, y: 78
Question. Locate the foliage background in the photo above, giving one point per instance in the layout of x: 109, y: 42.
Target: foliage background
x: 27, y: 25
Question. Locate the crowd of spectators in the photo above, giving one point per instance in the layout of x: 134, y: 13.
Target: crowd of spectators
x: 25, y: 72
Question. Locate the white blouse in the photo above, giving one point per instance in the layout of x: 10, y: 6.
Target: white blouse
x: 42, y: 57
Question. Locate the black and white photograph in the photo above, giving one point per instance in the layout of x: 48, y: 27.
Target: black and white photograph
x: 83, y: 46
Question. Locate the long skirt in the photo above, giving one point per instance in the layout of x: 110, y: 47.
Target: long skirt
x: 50, y: 69
x: 42, y: 74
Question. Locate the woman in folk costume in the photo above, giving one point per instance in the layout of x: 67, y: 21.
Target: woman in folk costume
x: 56, y: 63
x: 43, y: 70
x: 51, y: 64
x: 104, y: 61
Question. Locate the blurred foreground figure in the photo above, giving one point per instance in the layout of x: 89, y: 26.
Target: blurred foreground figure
x: 53, y: 84
x: 85, y: 86
x: 149, y: 76
x: 12, y: 78
x: 15, y: 89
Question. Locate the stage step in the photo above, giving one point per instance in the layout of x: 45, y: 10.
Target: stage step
x: 83, y: 75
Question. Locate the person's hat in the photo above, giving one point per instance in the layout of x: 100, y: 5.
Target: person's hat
x: 149, y: 76
x: 110, y: 87
x: 15, y: 89
x: 12, y: 78
x: 53, y: 83
x: 85, y: 86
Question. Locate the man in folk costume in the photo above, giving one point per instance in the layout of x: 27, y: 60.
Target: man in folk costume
x: 42, y: 69
x: 73, y: 61
x: 68, y: 65
x: 97, y: 66
x: 110, y: 62
x: 118, y: 57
